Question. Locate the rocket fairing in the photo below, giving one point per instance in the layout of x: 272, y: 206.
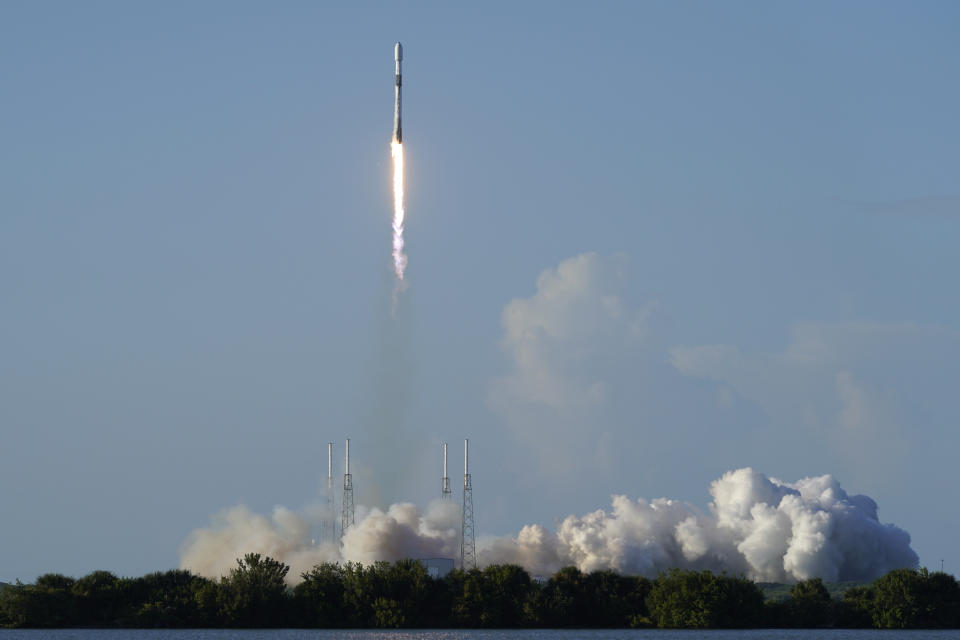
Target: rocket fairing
x: 397, y: 128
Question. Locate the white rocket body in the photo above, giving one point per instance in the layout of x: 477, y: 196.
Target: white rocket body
x: 397, y: 126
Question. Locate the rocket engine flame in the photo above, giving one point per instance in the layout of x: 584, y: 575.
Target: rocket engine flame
x: 399, y: 258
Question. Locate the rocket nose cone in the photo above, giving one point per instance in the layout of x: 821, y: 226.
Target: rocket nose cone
x: 398, y: 52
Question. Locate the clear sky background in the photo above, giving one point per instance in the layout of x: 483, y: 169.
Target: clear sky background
x: 745, y: 214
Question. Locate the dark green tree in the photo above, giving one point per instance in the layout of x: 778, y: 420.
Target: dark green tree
x: 319, y: 598
x: 463, y: 587
x: 702, y: 600
x: 498, y: 596
x: 97, y: 599
x: 254, y: 595
x: 855, y: 609
x: 387, y: 614
x: 778, y: 614
x: 615, y: 600
x: 385, y: 594
x: 506, y: 589
x: 207, y: 597
x: 915, y: 599
x: 406, y: 585
x: 55, y: 582
x: 563, y: 599
x: 941, y: 601
x: 810, y: 604
x: 161, y: 599
x: 48, y: 603
x: 599, y: 599
x: 895, y: 602
x: 357, y: 596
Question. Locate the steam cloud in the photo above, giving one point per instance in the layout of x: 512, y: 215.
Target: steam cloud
x: 764, y: 528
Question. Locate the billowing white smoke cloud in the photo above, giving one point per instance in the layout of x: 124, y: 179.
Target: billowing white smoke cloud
x: 764, y: 528
x: 401, y: 532
x: 560, y: 343
x: 237, y: 531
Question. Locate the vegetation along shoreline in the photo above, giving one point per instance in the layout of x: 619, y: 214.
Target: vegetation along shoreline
x: 404, y: 595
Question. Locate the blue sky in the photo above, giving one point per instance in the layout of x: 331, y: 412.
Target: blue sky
x: 746, y: 214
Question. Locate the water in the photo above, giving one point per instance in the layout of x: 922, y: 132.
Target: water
x: 469, y: 634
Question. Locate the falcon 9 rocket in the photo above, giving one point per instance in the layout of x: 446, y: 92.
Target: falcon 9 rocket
x: 397, y: 126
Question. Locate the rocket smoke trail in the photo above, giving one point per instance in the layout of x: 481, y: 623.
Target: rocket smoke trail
x: 396, y: 149
x: 399, y: 258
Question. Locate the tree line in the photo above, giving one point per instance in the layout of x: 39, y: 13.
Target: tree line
x: 402, y: 594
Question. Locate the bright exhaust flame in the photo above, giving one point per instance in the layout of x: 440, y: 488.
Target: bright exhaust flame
x: 399, y: 258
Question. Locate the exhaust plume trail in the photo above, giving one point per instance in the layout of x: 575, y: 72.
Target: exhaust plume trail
x: 399, y: 258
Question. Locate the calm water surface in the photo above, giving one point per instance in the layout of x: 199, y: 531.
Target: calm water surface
x: 538, y: 634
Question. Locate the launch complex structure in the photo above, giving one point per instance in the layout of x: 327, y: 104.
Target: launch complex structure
x: 331, y: 534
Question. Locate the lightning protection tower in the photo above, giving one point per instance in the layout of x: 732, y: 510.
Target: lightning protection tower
x: 468, y: 545
x: 346, y: 514
x: 445, y: 492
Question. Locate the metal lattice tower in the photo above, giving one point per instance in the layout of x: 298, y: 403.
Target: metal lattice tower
x: 346, y: 514
x: 445, y: 492
x: 468, y: 545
